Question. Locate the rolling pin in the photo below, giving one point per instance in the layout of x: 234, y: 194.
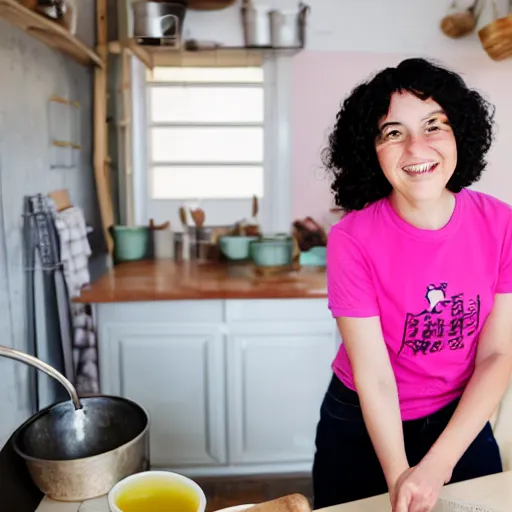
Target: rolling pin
x: 290, y: 503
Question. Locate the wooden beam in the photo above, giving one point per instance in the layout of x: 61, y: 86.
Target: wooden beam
x: 101, y: 169
x: 126, y: 131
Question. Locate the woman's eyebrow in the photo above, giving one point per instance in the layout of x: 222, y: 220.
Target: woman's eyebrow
x: 389, y: 123
x: 433, y: 113
x: 396, y: 123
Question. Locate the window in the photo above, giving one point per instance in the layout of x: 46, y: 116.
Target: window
x: 209, y: 137
x: 206, y: 133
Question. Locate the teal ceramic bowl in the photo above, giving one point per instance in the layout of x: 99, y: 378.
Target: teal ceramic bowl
x: 130, y: 243
x: 236, y: 247
x: 272, y: 252
x: 315, y: 257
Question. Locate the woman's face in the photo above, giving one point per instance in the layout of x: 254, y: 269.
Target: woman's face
x: 416, y: 147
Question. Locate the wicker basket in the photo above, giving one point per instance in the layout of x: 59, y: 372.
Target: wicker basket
x: 496, y: 38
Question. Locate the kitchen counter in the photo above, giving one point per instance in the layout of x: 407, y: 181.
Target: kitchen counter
x: 494, y: 492
x: 167, y: 280
x: 206, y: 332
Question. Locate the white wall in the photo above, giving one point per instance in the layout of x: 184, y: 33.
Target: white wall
x: 386, y: 26
x: 32, y: 73
x: 335, y: 74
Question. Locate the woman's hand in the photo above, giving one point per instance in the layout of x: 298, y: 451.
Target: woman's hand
x: 418, y: 488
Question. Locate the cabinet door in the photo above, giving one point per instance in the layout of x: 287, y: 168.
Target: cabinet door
x: 277, y: 376
x: 177, y: 373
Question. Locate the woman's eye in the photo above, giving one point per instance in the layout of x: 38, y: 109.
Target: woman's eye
x: 393, y: 134
x: 432, y: 129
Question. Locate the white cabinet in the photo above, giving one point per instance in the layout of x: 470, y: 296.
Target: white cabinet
x: 231, y: 386
x: 277, y: 375
x: 176, y: 372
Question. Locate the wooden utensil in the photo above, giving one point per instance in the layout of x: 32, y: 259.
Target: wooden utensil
x: 185, y: 256
x: 290, y: 503
x: 458, y: 24
x: 198, y: 216
x: 183, y: 216
x: 255, y: 206
x: 158, y: 227
x: 253, y: 228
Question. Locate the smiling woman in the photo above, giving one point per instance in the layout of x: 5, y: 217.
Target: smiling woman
x: 357, y: 175
x: 417, y: 152
x: 420, y: 283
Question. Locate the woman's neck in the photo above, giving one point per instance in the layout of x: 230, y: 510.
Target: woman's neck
x: 432, y: 215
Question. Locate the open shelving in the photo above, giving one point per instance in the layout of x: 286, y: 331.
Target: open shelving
x: 152, y: 56
x: 49, y: 32
x: 55, y: 36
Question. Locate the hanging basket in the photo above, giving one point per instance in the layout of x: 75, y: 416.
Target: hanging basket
x: 496, y: 37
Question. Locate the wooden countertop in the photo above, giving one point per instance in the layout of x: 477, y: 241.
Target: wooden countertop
x: 168, y: 280
x: 494, y: 492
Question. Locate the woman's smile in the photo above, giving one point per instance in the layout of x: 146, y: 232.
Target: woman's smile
x: 420, y: 168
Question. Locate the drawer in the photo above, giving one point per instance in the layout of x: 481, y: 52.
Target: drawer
x: 277, y: 310
x: 177, y: 311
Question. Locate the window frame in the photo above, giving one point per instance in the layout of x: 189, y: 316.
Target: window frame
x: 199, y: 124
x: 275, y: 206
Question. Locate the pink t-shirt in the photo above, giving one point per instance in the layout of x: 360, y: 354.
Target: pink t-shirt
x: 433, y: 290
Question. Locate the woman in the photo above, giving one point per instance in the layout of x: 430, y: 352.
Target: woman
x: 420, y: 283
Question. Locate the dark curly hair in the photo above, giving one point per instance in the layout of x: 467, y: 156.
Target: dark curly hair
x: 357, y: 179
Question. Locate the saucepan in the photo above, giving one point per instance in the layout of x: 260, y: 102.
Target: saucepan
x: 79, y: 449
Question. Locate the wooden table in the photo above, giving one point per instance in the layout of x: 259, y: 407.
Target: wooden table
x: 493, y: 492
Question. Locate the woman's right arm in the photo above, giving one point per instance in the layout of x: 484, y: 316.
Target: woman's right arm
x: 376, y: 386
x: 354, y: 303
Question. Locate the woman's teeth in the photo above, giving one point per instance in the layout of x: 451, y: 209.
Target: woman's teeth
x: 420, y: 168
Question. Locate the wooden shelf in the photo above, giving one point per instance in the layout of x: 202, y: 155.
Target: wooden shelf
x: 47, y: 31
x: 153, y: 56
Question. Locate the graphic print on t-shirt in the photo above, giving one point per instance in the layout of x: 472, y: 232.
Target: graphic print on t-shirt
x: 444, y: 325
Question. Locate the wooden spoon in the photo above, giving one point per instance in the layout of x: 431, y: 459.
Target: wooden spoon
x: 198, y: 216
x: 255, y: 206
x: 183, y: 216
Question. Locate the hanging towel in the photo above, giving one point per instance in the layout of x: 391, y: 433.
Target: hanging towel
x: 74, y: 255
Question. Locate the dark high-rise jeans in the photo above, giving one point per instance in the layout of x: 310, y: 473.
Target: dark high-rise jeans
x: 346, y: 467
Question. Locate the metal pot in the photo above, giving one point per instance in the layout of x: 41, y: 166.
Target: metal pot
x: 79, y: 449
x: 256, y: 25
x: 158, y: 19
x: 288, y: 28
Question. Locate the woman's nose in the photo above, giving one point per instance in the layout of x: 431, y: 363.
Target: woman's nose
x: 415, y: 143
